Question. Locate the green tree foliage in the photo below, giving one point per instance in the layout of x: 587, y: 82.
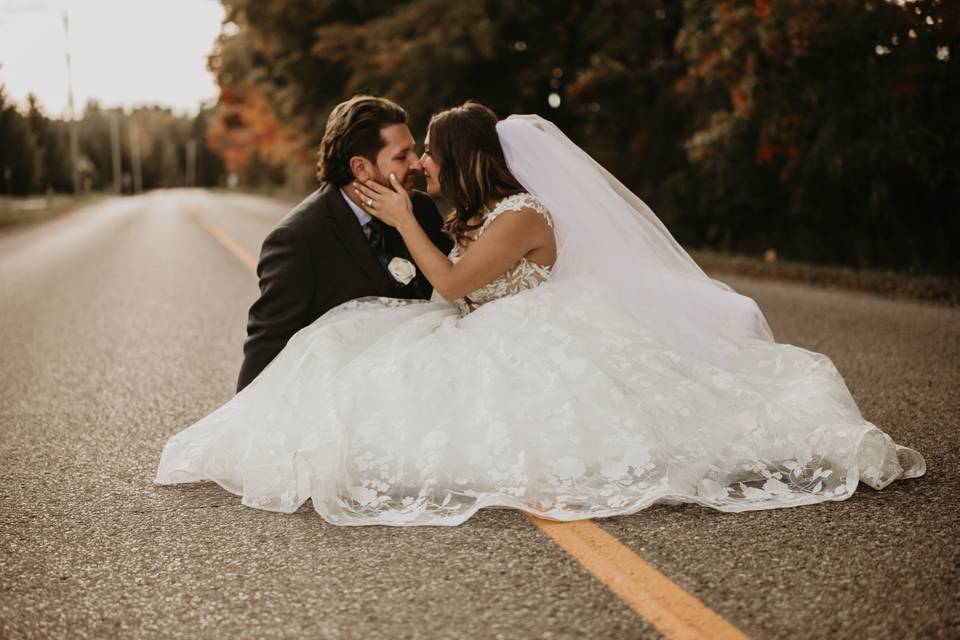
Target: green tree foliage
x: 51, y: 150
x: 35, y: 149
x: 428, y: 54
x: 163, y: 137
x: 826, y: 129
x: 18, y: 156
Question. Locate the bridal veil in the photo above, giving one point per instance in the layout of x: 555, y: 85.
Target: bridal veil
x: 609, y: 239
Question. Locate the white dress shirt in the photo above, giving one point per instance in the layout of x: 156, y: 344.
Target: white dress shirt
x: 362, y: 216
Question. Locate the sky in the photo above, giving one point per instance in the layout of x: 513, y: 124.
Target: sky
x: 123, y: 52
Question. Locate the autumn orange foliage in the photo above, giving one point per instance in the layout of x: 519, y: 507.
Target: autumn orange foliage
x: 246, y: 128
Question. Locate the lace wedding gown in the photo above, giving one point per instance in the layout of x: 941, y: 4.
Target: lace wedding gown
x: 535, y: 395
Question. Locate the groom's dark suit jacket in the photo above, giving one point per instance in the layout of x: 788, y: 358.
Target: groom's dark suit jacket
x: 318, y: 257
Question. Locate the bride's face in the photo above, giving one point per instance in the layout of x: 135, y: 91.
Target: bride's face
x: 431, y: 170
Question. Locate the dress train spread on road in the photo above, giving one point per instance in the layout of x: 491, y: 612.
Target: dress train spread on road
x: 550, y: 401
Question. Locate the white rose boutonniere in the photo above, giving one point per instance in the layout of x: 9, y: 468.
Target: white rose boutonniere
x: 402, y: 270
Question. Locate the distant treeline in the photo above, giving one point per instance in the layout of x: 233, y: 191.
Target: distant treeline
x: 35, y: 155
x: 827, y: 130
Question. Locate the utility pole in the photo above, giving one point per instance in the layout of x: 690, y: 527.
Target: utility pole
x: 191, y: 163
x: 135, y: 158
x: 115, y: 151
x: 74, y: 144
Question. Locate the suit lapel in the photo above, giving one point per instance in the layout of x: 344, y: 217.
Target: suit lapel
x: 350, y: 235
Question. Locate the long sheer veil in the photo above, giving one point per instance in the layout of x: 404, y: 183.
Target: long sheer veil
x: 612, y: 242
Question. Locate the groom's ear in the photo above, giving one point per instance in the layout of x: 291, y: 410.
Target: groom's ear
x: 361, y: 168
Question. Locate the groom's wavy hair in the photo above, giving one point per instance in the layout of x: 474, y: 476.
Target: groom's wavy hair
x: 353, y: 129
x: 473, y: 170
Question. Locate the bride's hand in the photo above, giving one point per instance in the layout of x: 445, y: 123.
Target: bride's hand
x: 392, y: 206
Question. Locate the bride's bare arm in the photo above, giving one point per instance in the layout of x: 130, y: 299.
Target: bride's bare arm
x: 507, y: 239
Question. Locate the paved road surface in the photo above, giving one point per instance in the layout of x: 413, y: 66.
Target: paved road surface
x: 123, y: 322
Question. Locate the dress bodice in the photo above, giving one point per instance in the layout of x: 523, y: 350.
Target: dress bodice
x: 523, y: 275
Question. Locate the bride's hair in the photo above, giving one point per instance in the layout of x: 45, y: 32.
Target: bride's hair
x: 473, y: 171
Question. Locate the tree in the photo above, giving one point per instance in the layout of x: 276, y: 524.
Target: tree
x: 824, y: 129
x: 827, y: 130
x: 431, y: 54
x: 18, y: 152
x: 51, y: 163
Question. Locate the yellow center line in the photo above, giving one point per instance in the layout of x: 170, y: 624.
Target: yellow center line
x: 228, y: 242
x: 674, y: 612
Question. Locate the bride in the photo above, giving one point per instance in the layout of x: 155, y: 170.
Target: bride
x: 583, y: 367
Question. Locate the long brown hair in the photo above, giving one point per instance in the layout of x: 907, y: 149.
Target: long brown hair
x: 473, y: 170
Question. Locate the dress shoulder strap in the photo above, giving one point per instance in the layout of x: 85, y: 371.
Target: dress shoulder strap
x: 516, y: 202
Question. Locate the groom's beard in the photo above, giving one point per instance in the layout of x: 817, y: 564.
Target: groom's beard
x: 409, y: 181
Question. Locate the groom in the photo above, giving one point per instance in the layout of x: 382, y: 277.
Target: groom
x: 328, y: 250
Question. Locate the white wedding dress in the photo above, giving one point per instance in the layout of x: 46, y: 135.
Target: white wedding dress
x: 541, y: 393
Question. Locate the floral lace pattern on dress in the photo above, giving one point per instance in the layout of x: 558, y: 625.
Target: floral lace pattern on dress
x: 523, y: 275
x: 553, y: 401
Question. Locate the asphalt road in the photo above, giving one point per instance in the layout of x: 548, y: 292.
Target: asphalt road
x: 122, y: 323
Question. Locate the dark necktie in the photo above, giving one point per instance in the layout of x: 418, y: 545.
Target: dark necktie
x: 375, y: 236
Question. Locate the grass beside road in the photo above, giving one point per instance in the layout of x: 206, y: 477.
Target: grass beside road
x: 938, y: 289
x: 31, y: 209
